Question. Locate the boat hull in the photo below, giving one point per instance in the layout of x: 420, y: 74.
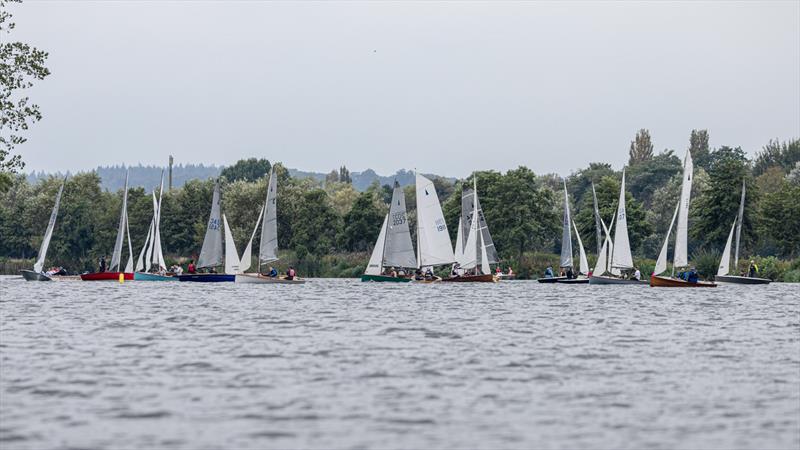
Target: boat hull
x: 384, y: 279
x: 30, y: 275
x: 143, y: 276
x: 656, y: 281
x: 507, y: 277
x: 601, y: 280
x: 580, y: 280
x: 551, y: 279
x: 428, y: 281
x: 107, y: 276
x: 733, y: 279
x: 255, y: 278
x: 487, y: 278
x: 207, y: 278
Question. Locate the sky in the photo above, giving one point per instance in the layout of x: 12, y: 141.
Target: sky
x: 445, y: 87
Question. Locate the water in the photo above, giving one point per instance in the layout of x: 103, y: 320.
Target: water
x: 341, y: 364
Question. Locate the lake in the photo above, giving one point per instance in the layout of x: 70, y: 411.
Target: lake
x: 344, y: 364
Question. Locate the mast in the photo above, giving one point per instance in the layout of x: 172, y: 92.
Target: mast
x: 681, y: 257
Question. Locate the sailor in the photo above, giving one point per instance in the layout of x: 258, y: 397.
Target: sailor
x: 692, y: 276
x: 290, y: 274
x: 548, y: 273
x: 273, y: 272
x: 191, y: 267
x: 570, y: 274
x: 637, y: 275
x: 429, y: 274
x: 103, y: 264
x: 753, y: 270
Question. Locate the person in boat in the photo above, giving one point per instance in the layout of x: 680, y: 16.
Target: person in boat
x: 392, y: 272
x: 418, y: 274
x: 103, y: 264
x: 429, y: 273
x: 291, y: 273
x: 570, y: 274
x: 548, y: 273
x: 176, y: 269
x: 510, y: 270
x: 692, y: 276
x: 191, y: 268
x: 273, y: 272
x: 497, y: 270
x: 753, y: 270
x: 637, y: 275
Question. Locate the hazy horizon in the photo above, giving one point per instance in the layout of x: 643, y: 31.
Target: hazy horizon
x: 447, y: 88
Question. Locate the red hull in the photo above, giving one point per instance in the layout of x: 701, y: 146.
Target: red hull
x: 489, y: 278
x: 106, y: 276
x: 656, y: 281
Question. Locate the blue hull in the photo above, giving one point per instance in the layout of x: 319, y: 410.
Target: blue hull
x: 142, y: 276
x: 208, y: 278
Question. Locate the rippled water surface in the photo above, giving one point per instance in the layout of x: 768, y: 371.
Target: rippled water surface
x: 342, y: 364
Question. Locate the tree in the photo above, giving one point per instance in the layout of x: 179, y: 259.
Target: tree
x: 641, y: 148
x: 780, y: 223
x: 644, y: 178
x: 362, y: 222
x: 698, y: 146
x: 20, y: 65
x: 717, y: 207
x: 775, y: 154
x: 344, y: 175
x: 250, y: 169
x: 315, y: 226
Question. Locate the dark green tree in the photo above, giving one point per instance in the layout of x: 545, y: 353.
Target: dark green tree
x: 250, y: 169
x: 775, y: 154
x: 641, y: 148
x: 644, y: 178
x: 780, y: 219
x: 315, y: 225
x: 362, y: 223
x: 698, y: 146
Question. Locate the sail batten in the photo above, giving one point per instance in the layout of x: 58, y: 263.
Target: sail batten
x: 48, y: 234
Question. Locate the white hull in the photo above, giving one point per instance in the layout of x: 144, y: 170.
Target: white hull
x: 258, y: 278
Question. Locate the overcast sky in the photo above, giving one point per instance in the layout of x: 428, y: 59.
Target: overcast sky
x: 444, y: 87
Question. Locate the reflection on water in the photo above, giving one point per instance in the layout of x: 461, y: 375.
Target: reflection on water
x: 345, y: 364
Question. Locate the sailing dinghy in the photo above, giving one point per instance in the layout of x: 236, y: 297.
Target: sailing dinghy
x: 37, y: 274
x: 113, y: 274
x: 268, y: 248
x: 621, y: 257
x: 723, y: 274
x: 393, y: 251
x: 680, y: 255
x: 473, y: 261
x: 151, y: 266
x: 433, y: 240
x: 211, y: 254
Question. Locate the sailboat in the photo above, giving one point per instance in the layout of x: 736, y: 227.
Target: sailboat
x: 433, y: 240
x: 478, y: 252
x: 621, y: 257
x: 113, y: 272
x: 37, y: 274
x: 393, y: 251
x: 152, y: 255
x: 268, y: 248
x: 723, y: 274
x: 680, y: 256
x: 211, y: 254
x: 566, y: 249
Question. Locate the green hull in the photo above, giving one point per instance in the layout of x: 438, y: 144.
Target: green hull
x: 380, y: 278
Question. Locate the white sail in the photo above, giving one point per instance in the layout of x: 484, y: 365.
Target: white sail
x: 129, y: 265
x: 739, y: 228
x: 268, y: 249
x: 152, y: 243
x: 470, y: 256
x: 725, y: 262
x: 48, y: 234
x: 602, y: 259
x: 247, y: 254
x: 141, y: 260
x: 433, y: 240
x: 458, y: 254
x: 116, y: 257
x: 682, y: 232
x: 158, y: 253
x: 211, y: 253
x: 485, y: 268
x: 584, y: 264
x: 622, y: 258
x: 374, y: 266
x: 231, y: 254
x: 398, y: 250
x: 661, y: 262
x: 488, y: 242
x: 566, y: 235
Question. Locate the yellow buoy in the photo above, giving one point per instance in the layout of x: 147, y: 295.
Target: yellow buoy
x: 121, y: 278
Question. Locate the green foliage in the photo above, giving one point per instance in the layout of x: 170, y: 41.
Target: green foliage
x: 780, y: 219
x: 363, y: 222
x: 775, y: 154
x: 698, y: 146
x: 706, y: 262
x: 644, y: 178
x: 251, y: 170
x: 641, y: 148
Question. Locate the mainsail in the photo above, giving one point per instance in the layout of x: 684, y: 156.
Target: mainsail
x: 682, y: 233
x: 566, y: 235
x: 661, y: 262
x: 398, y: 250
x: 211, y: 253
x: 584, y: 264
x: 231, y: 255
x: 37, y: 267
x: 247, y: 254
x: 471, y: 252
x: 116, y: 257
x: 268, y: 249
x: 459, y: 249
x: 374, y: 266
x: 470, y: 204
x: 433, y: 240
x: 725, y: 262
x: 622, y: 258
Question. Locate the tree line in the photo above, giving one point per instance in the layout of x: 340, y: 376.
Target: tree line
x: 523, y: 209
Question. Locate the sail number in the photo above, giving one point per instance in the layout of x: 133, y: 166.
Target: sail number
x: 398, y: 218
x: 440, y: 225
x: 214, y: 224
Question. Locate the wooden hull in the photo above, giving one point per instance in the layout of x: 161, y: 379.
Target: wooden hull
x: 733, y: 279
x: 143, y: 276
x: 255, y: 278
x: 579, y: 280
x: 489, y: 278
x: 657, y: 281
x: 507, y: 277
x: 30, y: 275
x: 426, y: 281
x: 207, y: 278
x: 551, y: 279
x: 106, y: 276
x: 384, y: 279
x: 602, y: 280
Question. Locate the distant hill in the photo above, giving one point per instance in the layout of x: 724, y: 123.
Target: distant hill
x: 149, y: 176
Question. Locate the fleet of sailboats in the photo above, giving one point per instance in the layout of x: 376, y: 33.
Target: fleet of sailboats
x: 393, y: 255
x: 477, y: 252
x: 152, y: 255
